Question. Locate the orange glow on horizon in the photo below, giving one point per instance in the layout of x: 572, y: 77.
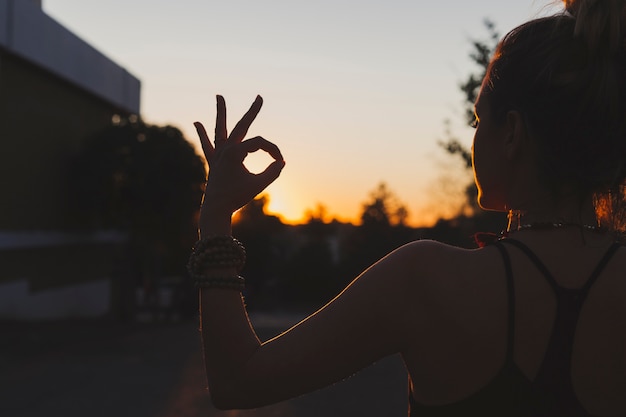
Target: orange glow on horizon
x: 287, y: 212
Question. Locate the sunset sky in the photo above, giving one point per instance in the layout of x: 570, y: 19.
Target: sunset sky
x: 356, y: 92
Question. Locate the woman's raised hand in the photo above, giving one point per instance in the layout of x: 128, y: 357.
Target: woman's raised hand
x: 230, y: 185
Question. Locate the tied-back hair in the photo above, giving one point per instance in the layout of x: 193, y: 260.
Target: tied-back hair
x: 567, y: 75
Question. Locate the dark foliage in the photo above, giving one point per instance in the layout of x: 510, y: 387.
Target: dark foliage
x: 146, y: 181
x: 139, y: 178
x: 480, y: 55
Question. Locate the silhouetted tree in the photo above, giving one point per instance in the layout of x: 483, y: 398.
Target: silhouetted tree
x: 471, y: 217
x: 382, y: 229
x: 140, y: 178
x: 261, y: 233
x: 316, y: 215
x: 146, y: 181
x: 480, y: 55
x: 383, y: 209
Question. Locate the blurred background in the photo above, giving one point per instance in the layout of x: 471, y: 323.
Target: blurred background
x: 101, y: 180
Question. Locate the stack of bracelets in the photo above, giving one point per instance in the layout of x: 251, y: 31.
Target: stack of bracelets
x: 211, y: 256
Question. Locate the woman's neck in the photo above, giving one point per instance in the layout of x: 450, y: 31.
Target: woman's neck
x: 552, y: 212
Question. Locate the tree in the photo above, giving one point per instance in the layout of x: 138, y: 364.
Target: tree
x: 146, y: 181
x: 383, y: 209
x: 382, y: 229
x: 480, y: 55
x: 319, y: 214
x: 260, y: 233
x: 470, y: 216
x: 139, y: 178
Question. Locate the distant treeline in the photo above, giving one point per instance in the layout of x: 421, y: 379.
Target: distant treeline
x: 306, y: 265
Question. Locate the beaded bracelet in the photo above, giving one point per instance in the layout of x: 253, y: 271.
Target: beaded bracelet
x: 216, y: 252
x: 230, y: 282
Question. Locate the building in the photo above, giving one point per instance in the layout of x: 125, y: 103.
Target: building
x: 55, y: 91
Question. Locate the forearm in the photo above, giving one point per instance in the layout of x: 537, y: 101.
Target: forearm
x: 228, y: 342
x: 228, y: 339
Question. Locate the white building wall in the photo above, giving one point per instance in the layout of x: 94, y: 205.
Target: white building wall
x: 88, y: 300
x: 26, y: 31
x: 85, y: 300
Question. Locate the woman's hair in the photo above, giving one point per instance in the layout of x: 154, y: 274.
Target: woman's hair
x: 567, y: 75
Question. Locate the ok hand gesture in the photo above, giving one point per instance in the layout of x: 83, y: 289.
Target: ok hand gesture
x: 230, y: 185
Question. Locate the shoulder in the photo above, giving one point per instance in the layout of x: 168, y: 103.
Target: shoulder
x: 432, y: 276
x: 449, y: 278
x: 429, y: 258
x: 423, y: 287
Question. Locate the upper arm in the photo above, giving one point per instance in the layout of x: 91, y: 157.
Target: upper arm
x: 367, y: 321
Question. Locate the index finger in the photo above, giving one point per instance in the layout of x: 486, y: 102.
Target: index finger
x: 241, y: 128
x: 204, y: 141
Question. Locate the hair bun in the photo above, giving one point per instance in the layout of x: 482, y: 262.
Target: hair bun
x: 599, y: 23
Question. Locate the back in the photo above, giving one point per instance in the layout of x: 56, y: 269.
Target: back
x: 485, y: 351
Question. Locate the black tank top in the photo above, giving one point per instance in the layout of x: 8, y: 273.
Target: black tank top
x: 510, y: 392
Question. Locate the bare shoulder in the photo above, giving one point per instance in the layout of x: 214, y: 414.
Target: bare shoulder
x: 419, y: 262
x: 450, y: 278
x: 437, y: 260
x: 428, y: 281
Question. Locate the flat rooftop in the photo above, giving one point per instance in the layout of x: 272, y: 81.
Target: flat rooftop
x: 26, y: 31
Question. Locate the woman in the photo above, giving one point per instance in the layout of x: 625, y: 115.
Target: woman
x: 531, y: 324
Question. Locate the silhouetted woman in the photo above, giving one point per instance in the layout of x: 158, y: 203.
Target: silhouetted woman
x: 531, y: 324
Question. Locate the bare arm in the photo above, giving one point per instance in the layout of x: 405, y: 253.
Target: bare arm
x: 360, y: 326
x: 366, y: 322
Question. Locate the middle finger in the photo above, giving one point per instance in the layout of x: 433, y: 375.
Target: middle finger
x: 221, y: 133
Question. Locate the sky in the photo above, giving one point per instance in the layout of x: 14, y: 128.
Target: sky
x: 355, y: 92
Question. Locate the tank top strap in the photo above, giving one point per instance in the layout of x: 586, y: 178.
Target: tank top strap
x: 536, y: 261
x: 600, y: 267
x: 553, y: 379
x: 506, y: 259
x: 558, y: 289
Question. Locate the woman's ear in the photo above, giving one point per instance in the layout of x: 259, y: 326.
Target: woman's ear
x: 515, y: 134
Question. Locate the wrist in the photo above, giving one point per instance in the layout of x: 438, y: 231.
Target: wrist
x: 214, y: 221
